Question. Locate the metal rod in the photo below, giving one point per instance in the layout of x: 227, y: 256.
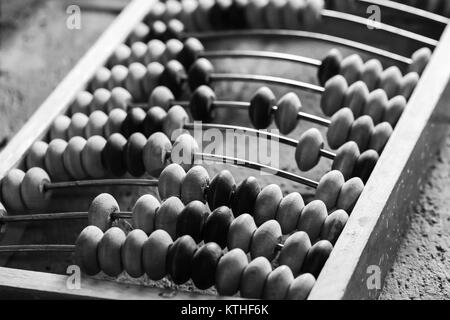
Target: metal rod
x: 100, y: 182
x: 327, y: 154
x: 57, y: 216
x: 314, y: 119
x: 38, y: 248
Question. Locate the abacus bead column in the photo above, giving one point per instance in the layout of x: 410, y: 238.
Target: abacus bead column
x: 201, y: 103
x: 229, y: 272
x: 113, y: 154
x: 220, y: 190
x: 330, y: 66
x: 179, y: 259
x: 244, y: 198
x: 91, y: 157
x: 170, y: 181
x: 356, y: 97
x: 167, y: 215
x: 32, y: 189
x: 240, y: 232
x: 194, y: 185
x: 365, y: 165
x: 333, y: 226
x: 109, y: 251
x: 86, y: 250
x: 312, y: 218
x: 294, y: 251
x: 277, y: 283
x: 301, y: 287
x: 376, y: 105
x: 153, y: 121
x: 334, y: 94
x: 254, y: 278
x: 289, y: 212
x: 114, y: 123
x: 288, y: 108
x: 307, y: 152
x: 204, y: 264
x: 184, y: 149
x: 144, y: 212
x: 345, y: 160
x: 72, y: 158
x: 339, y: 129
x: 267, y: 203
x: 54, y: 160
x: 192, y: 219
x: 154, y: 254
x: 329, y: 188
x: 36, y: 155
x: 420, y: 59
x: 155, y: 154
x: 316, y: 257
x: 174, y: 122
x: 200, y: 73
x: 10, y: 185
x: 394, y: 110
x: 132, y: 253
x: 217, y: 225
x: 350, y: 192
x: 260, y: 109
x: 265, y: 240
x: 100, y: 210
x: 380, y: 136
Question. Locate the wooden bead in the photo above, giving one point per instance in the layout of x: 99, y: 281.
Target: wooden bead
x: 331, y: 64
x: 194, y: 185
x: 175, y: 29
x: 274, y: 14
x: 394, y: 110
x: 156, y: 153
x: 161, y: 97
x: 339, y: 129
x: 114, y: 123
x: 390, y: 81
x: 316, y: 257
x: 217, y: 226
x: 154, y: 72
x: 204, y: 265
x: 333, y: 97
x: 86, y: 247
x: 113, y: 154
x: 179, y: 259
x: 192, y: 50
x: 184, y: 149
x: 408, y: 84
x: 187, y: 14
x: 220, y: 190
x: 174, y: 122
x: 77, y: 125
x: 82, y: 102
x: 100, y: 210
x: 170, y: 181
x: 346, y: 157
x: 10, y: 186
x: 294, y: 251
x: 172, y: 77
x: 153, y: 121
x: 60, y: 127
x: 133, y: 154
x: 36, y: 155
x: 266, y: 204
x: 312, y: 218
x: 119, y: 75
x: 291, y: 14
x: 200, y: 73
x: 277, y: 283
x: 120, y: 98
x: 155, y: 49
x: 333, y: 226
x: 72, y: 158
x: 96, y: 123
x: 371, y: 73
x: 380, y: 136
x: 365, y: 164
x: 260, y: 109
x: 133, y: 122
x: 167, y: 215
x: 192, y: 219
x: 289, y: 211
x: 137, y: 74
x: 229, y: 272
x: 329, y: 188
x: 244, y: 198
x: 376, y: 105
x: 154, y: 254
x: 351, y: 68
x: 139, y: 33
x: 236, y: 15
x: 144, y: 211
x: 361, y: 131
x: 157, y: 12
x: 139, y: 53
x: 287, y: 111
x: 100, y: 79
x: 350, y: 192
x: 255, y: 13
x: 54, y: 160
x: 311, y: 15
x: 201, y: 15
x: 120, y: 56
x: 158, y: 30
x: 265, y: 240
x: 420, y: 59
x: 307, y: 153
x: 254, y: 278
x: 132, y: 253
x: 356, y: 97
x: 240, y: 232
x: 173, y: 49
x: 201, y: 103
x: 219, y: 14
x: 301, y: 287
x: 91, y: 157
x: 109, y: 251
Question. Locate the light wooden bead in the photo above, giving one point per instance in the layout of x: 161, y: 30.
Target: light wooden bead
x: 187, y: 13
x: 339, y: 129
x: 351, y: 68
x: 173, y: 48
x: 240, y: 232
x: 371, y: 73
x: 331, y: 64
x: 96, y: 124
x: 156, y: 152
x: 86, y: 247
x: 291, y: 13
x: 91, y: 157
x: 380, y: 136
x: 54, y: 160
x: 10, y: 185
x: 109, y: 251
x: 265, y: 240
x: 191, y: 220
x: 420, y: 59
x: 329, y: 188
x: 170, y: 181
x: 287, y: 111
x: 376, y: 105
x: 154, y: 254
x: 267, y: 203
x: 204, y: 265
x: 162, y: 97
x: 179, y: 259
x: 333, y: 97
x: 100, y: 210
x: 77, y: 125
x: 307, y: 153
x: 119, y: 74
x: 82, y: 102
x: 139, y: 33
x: 277, y: 283
x: 132, y: 253
x: 312, y: 218
x: 390, y: 81
x: 394, y: 110
x: 255, y: 13
x: 345, y: 160
x: 36, y: 155
x: 174, y: 122
x: 157, y: 12
x: 316, y: 258
x: 167, y: 215
x: 100, y: 100
x: 229, y: 272
x: 173, y: 9
x: 114, y: 123
x: 349, y: 195
x: 100, y: 79
x: 155, y: 50
x: 137, y: 74
x: 72, y: 158
x: 60, y: 128
x: 361, y: 131
x: 120, y: 98
x: 194, y: 185
x: 144, y: 211
x: 139, y: 53
x: 184, y: 149
x: 333, y: 226
x: 356, y: 97
x: 201, y: 15
x: 32, y: 189
x: 294, y: 251
x: 301, y: 287
x: 274, y: 14
x: 254, y: 278
x: 365, y: 164
x: 312, y: 13
x: 289, y: 211
x: 261, y: 106
x: 408, y: 84
x: 120, y: 56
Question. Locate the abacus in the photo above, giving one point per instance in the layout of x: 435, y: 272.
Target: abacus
x: 358, y: 117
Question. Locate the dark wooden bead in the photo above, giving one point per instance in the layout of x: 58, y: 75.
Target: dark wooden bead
x: 365, y: 164
x: 179, y: 259
x: 172, y: 77
x: 133, y: 154
x: 191, y: 51
x: 153, y: 121
x: 330, y: 66
x: 133, y: 122
x: 219, y: 14
x: 220, y: 190
x: 192, y: 220
x: 204, y: 265
x: 260, y: 110
x: 244, y: 198
x: 200, y: 73
x: 316, y: 257
x: 201, y: 103
x: 217, y: 225
x: 112, y: 155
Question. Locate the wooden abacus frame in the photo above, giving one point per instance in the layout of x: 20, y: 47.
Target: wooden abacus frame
x: 371, y: 236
